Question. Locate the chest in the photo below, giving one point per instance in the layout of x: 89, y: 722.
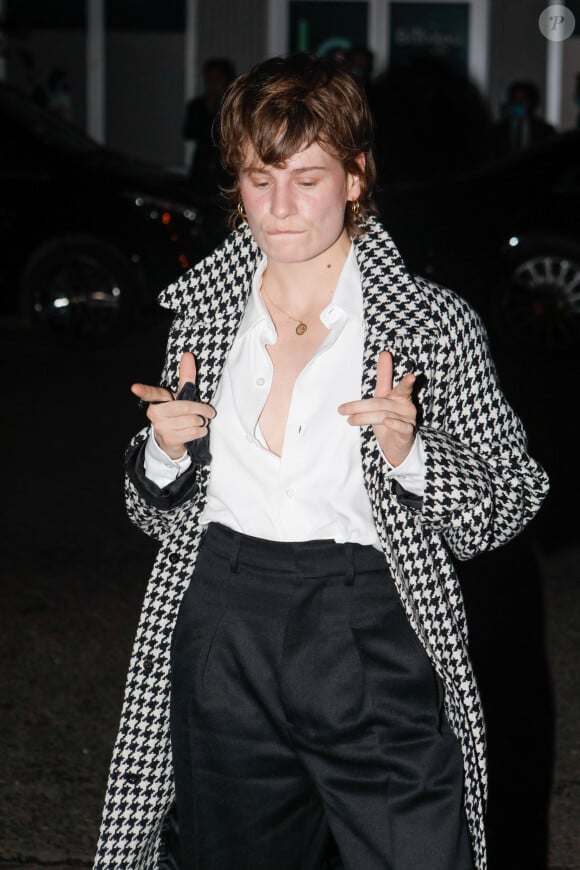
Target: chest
x: 289, y: 356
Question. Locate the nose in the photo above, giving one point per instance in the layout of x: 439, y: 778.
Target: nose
x: 282, y: 203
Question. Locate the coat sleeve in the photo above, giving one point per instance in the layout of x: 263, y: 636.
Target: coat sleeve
x: 481, y: 485
x: 156, y: 511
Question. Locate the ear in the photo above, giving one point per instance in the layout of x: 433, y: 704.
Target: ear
x: 353, y: 185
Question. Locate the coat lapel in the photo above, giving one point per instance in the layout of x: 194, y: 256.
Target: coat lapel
x: 397, y: 318
x: 209, y: 302
x: 397, y: 315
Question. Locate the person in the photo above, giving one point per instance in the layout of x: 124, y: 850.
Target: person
x: 327, y: 433
x: 200, y: 114
x: 431, y: 123
x: 360, y: 62
x: 55, y: 95
x: 198, y: 127
x: 519, y: 126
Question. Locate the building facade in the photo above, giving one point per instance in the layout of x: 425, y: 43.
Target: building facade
x: 130, y: 68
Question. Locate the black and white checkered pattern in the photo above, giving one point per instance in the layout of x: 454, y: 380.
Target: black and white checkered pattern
x: 481, y: 490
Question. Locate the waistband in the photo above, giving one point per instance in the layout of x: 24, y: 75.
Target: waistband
x: 309, y: 559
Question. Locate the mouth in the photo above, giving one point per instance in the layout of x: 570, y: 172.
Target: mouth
x: 284, y: 232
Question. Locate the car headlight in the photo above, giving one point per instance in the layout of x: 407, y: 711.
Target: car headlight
x: 158, y: 209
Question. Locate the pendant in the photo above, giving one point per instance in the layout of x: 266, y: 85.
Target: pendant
x: 301, y: 329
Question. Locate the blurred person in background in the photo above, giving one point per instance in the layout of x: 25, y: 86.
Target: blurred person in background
x: 520, y: 127
x: 431, y: 121
x: 205, y: 170
x: 360, y: 64
x: 55, y: 92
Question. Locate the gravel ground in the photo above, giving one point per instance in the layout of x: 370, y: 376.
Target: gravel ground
x: 562, y: 571
x: 74, y: 573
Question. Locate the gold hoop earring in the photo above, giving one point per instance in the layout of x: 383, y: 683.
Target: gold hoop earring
x: 241, y: 211
x: 354, y: 209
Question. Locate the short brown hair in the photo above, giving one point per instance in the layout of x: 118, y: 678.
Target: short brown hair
x: 288, y: 103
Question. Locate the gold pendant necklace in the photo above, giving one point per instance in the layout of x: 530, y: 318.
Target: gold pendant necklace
x: 300, y: 328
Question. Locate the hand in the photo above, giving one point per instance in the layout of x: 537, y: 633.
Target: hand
x: 175, y: 423
x: 391, y: 412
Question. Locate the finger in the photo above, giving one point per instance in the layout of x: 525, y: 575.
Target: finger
x: 360, y: 406
x: 203, y: 410
x: 185, y: 408
x: 404, y: 389
x: 175, y: 430
x: 187, y: 369
x: 395, y: 402
x: 184, y: 433
x: 380, y: 418
x: 180, y: 414
x: 146, y: 393
x: 384, y: 383
x: 181, y: 436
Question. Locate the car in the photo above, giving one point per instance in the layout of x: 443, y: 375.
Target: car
x: 89, y: 235
x: 505, y: 235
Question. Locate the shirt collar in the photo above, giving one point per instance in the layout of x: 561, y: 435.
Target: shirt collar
x: 346, y: 300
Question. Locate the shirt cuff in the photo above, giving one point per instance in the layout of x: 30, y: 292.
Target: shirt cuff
x: 410, y: 474
x: 161, y: 468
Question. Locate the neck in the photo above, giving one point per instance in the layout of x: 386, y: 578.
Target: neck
x: 308, y: 286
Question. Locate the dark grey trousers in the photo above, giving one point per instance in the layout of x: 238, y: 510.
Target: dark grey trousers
x: 302, y: 705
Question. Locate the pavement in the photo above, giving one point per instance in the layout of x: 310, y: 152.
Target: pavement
x: 74, y: 573
x: 562, y: 581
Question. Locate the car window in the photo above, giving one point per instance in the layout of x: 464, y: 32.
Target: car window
x: 570, y: 180
x: 19, y: 152
x: 21, y: 113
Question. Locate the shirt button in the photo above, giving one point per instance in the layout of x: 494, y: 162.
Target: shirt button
x: 290, y: 492
x: 261, y: 381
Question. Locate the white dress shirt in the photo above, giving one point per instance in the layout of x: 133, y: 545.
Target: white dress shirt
x: 315, y: 489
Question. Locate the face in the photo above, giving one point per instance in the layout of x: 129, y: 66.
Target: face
x: 296, y: 213
x: 522, y: 99
x: 216, y: 81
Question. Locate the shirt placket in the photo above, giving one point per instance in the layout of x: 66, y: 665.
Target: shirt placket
x: 301, y: 416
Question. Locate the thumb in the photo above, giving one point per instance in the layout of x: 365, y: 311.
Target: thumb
x: 187, y: 369
x: 404, y: 388
x: 384, y: 374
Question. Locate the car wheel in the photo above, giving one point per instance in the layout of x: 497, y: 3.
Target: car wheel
x: 79, y: 288
x: 539, y: 302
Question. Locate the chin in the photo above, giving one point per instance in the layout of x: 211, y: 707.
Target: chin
x: 295, y: 252
x: 285, y: 249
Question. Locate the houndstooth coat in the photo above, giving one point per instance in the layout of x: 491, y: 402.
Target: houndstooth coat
x: 481, y: 488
